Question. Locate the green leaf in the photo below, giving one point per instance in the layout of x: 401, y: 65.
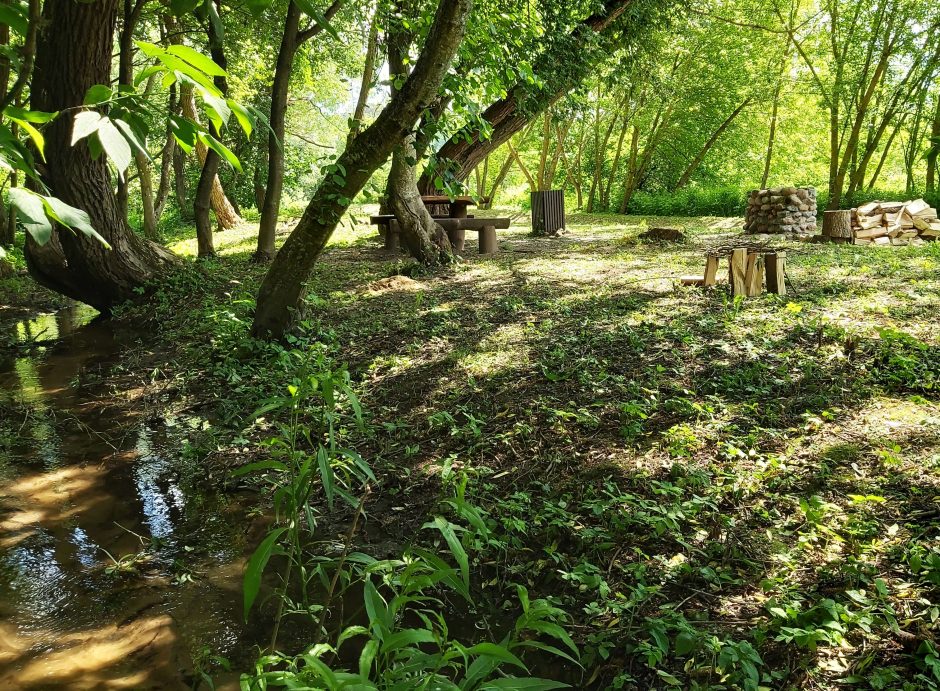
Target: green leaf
x: 132, y: 137
x: 314, y: 13
x: 35, y: 135
x: 183, y: 7
x: 257, y: 7
x: 255, y: 568
x: 496, y: 652
x: 558, y: 652
x: 114, y: 145
x: 99, y: 93
x: 201, y: 62
x: 72, y: 217
x: 259, y: 465
x: 456, y: 548
x: 85, y: 124
x: 32, y: 213
x: 14, y: 16
x: 36, y: 116
x: 367, y: 656
x: 686, y: 642
x: 221, y: 150
x: 407, y: 637
x: 326, y: 475
x: 245, y: 119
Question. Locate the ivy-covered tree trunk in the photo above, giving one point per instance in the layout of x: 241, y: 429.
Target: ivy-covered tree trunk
x: 426, y: 241
x: 73, y: 54
x: 285, y: 283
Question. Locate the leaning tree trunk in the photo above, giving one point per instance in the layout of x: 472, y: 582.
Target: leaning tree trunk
x: 286, y: 281
x: 424, y: 239
x: 73, y: 54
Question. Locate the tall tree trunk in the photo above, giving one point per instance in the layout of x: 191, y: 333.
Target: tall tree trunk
x: 772, y: 135
x: 716, y: 135
x: 291, y: 39
x: 73, y: 54
x: 129, y: 18
x: 284, y: 284
x: 497, y: 183
x: 224, y: 211
x: 267, y: 228
x: 932, y: 156
x: 523, y: 103
x: 368, y: 76
x: 146, y: 195
x: 425, y: 240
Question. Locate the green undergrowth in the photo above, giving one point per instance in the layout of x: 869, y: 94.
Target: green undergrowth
x: 720, y: 493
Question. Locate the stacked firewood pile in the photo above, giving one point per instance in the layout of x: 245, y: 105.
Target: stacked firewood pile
x: 790, y: 210
x: 894, y: 223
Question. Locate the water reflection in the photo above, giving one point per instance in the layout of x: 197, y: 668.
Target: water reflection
x: 83, y: 486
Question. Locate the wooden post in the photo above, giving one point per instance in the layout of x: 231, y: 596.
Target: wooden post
x: 736, y: 270
x: 776, y: 263
x: 754, y: 275
x: 837, y: 225
x: 488, y: 241
x: 711, y: 270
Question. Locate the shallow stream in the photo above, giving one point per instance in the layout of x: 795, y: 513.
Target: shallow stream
x: 118, y: 567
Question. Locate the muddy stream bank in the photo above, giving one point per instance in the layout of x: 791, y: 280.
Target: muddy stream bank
x: 119, y: 568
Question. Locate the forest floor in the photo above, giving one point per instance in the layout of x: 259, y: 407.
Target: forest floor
x: 721, y: 493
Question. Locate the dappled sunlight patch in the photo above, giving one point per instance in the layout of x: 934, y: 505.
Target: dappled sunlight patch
x: 498, y: 353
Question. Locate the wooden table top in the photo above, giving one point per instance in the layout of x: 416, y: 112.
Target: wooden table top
x: 444, y: 199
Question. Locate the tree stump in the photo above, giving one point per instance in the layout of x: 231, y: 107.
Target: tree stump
x: 776, y: 263
x: 489, y: 244
x: 837, y: 226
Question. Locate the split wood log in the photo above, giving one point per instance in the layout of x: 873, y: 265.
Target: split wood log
x: 692, y: 281
x: 754, y: 274
x: 711, y: 271
x: 737, y: 268
x: 837, y: 225
x: 776, y: 264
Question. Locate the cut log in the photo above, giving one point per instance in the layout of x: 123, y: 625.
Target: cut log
x: 692, y: 280
x: 837, y: 225
x: 868, y: 209
x: 875, y: 232
x: 776, y: 264
x: 737, y: 267
x: 870, y: 221
x: 711, y: 270
x: 754, y: 274
x: 917, y: 206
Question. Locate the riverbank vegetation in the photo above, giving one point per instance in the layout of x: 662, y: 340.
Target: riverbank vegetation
x: 550, y: 466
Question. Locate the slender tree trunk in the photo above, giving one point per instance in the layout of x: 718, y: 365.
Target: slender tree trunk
x: 279, y: 92
x: 615, y: 166
x: 74, y: 53
x: 425, y: 240
x: 291, y: 39
x: 210, y: 165
x: 497, y: 183
x: 224, y: 211
x: 129, y: 18
x: 772, y: 135
x: 285, y: 283
x: 716, y: 135
x: 368, y: 76
x: 884, y: 154
x: 146, y: 195
x: 932, y: 156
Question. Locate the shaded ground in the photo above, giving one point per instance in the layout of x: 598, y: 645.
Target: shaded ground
x: 721, y: 493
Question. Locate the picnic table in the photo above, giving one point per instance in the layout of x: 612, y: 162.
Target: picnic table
x: 455, y: 223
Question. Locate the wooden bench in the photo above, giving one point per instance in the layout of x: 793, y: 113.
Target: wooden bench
x: 455, y: 228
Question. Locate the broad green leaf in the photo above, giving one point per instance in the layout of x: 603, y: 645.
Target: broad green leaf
x: 367, y: 656
x: 326, y: 475
x: 497, y: 652
x: 85, y: 123
x: 311, y: 10
x: 216, y: 108
x: 72, y: 217
x: 221, y: 150
x: 36, y: 116
x: 114, y: 145
x: 99, y: 93
x: 183, y: 7
x: 201, y: 62
x: 257, y: 7
x: 407, y: 637
x: 32, y: 213
x: 35, y: 135
x: 558, y: 652
x: 132, y: 137
x: 186, y: 134
x: 245, y: 119
x: 14, y: 16
x: 255, y: 568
